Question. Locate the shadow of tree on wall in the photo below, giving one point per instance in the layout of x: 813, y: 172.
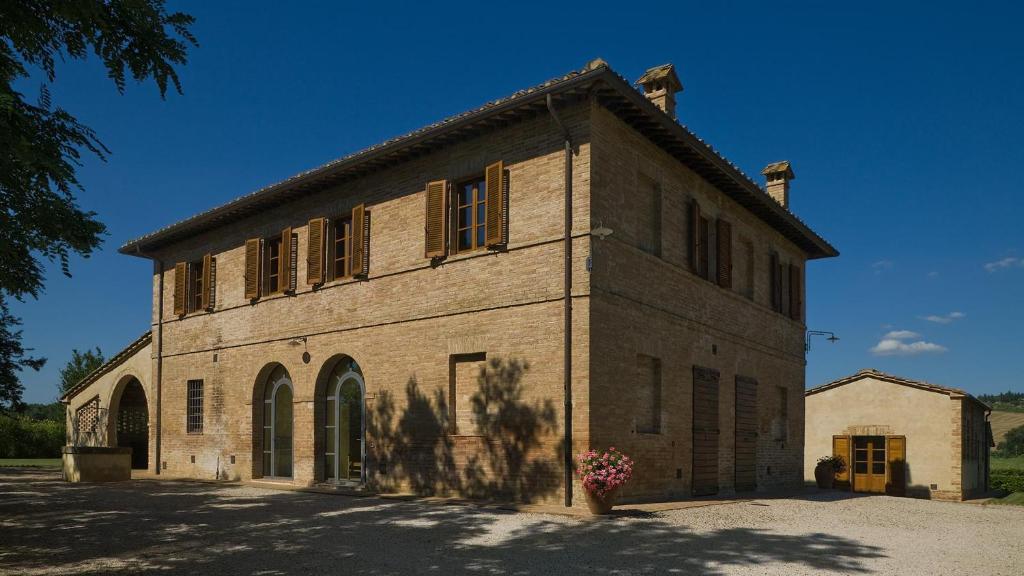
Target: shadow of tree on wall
x: 189, y: 528
x: 502, y: 459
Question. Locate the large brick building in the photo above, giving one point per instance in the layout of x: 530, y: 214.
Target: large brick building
x: 405, y: 317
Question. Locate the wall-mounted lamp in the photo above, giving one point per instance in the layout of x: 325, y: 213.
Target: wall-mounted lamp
x: 601, y: 231
x: 807, y: 339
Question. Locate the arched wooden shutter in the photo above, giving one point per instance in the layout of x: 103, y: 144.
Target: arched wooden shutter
x: 360, y: 241
x: 315, y: 251
x: 896, y: 465
x: 724, y: 249
x: 795, y: 293
x: 694, y: 230
x: 180, y: 285
x: 286, y: 262
x: 494, y: 178
x: 253, y: 261
x: 841, y: 449
x: 206, y: 297
x: 436, y: 225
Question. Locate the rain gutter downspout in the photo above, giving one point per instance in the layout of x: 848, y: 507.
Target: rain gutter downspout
x: 159, y: 354
x: 567, y: 347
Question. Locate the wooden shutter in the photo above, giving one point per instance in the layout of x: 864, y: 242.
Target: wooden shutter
x: 705, y: 431
x: 724, y: 253
x: 776, y: 282
x: 745, y: 440
x: 360, y: 241
x: 253, y: 266
x: 694, y: 229
x: 841, y: 449
x: 180, y: 286
x: 795, y: 292
x: 896, y: 465
x: 703, y: 248
x: 206, y: 298
x: 436, y: 225
x: 494, y: 178
x: 315, y: 251
x: 285, y: 261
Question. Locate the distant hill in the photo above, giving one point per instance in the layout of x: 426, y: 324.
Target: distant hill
x: 1003, y: 422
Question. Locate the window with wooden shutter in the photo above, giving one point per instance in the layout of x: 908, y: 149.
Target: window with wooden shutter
x: 253, y: 261
x: 286, y: 262
x: 703, y: 248
x: 206, y: 294
x: 494, y: 181
x: 360, y: 241
x: 694, y: 235
x: 724, y: 252
x: 841, y: 449
x: 315, y: 251
x: 775, y: 280
x: 795, y: 293
x: 436, y: 223
x: 180, y: 287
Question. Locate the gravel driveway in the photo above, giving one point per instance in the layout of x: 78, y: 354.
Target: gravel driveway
x: 49, y: 527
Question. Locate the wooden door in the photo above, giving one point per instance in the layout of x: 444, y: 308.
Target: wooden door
x: 705, y: 431
x: 841, y: 449
x: 896, y: 458
x: 869, y: 467
x: 746, y: 434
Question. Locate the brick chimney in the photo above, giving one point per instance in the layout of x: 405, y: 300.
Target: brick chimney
x: 777, y: 176
x: 660, y: 85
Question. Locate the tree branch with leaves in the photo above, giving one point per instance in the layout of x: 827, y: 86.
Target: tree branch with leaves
x: 41, y: 145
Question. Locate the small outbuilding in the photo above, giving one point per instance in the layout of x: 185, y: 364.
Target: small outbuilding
x: 899, y: 436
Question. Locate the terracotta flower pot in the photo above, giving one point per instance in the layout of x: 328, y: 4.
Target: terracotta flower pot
x: 825, y: 476
x: 601, y: 504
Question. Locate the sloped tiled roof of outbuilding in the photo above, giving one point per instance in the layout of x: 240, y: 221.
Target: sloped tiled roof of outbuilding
x: 109, y: 365
x: 879, y: 375
x: 597, y: 79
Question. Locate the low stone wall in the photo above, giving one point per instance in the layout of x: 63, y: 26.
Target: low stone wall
x: 96, y: 464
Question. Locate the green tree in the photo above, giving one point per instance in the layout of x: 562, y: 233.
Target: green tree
x: 1013, y: 444
x: 41, y: 145
x: 80, y: 365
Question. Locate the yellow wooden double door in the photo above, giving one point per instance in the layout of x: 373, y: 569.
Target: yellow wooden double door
x: 874, y: 464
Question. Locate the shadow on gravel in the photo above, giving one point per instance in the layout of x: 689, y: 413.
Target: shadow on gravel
x: 49, y: 527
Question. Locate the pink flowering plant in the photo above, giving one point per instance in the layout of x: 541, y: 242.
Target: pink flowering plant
x: 603, y: 472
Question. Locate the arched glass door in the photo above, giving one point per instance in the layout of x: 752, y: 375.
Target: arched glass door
x: 277, y: 425
x: 343, y: 424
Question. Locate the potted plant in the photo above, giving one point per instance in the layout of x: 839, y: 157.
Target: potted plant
x: 602, y: 474
x: 826, y: 470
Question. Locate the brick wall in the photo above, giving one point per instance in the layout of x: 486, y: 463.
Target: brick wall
x: 645, y: 304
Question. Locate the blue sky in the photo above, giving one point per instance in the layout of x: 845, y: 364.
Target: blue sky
x: 903, y: 124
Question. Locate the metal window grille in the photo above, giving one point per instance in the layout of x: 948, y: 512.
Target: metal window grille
x: 195, y: 407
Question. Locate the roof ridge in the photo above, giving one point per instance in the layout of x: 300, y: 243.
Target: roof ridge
x: 107, y: 366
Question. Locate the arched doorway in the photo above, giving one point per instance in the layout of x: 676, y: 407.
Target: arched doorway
x: 344, y: 423
x: 277, y: 423
x: 132, y: 427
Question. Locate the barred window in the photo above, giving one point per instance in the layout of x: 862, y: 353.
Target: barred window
x: 195, y: 406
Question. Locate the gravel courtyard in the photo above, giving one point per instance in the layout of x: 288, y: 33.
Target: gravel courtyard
x: 49, y: 527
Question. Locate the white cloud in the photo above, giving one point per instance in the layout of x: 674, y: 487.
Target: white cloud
x: 944, y: 319
x: 933, y: 274
x: 901, y: 335
x: 882, y: 266
x: 894, y: 347
x: 1008, y: 262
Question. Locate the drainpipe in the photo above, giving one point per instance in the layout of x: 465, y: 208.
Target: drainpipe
x: 567, y: 369
x: 159, y: 358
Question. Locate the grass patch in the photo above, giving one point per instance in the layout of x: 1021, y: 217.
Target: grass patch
x: 1014, y: 463
x: 1015, y: 499
x: 29, y: 462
